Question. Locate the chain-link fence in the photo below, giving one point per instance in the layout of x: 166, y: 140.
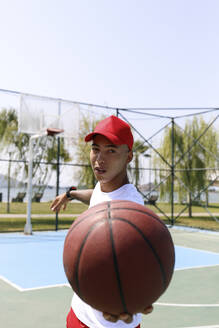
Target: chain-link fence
x: 175, y: 153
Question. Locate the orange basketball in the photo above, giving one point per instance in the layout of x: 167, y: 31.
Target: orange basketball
x: 119, y: 257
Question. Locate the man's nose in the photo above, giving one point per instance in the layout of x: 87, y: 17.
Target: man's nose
x: 100, y: 157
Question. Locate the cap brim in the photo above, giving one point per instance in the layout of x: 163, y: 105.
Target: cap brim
x: 89, y: 137
x: 108, y: 135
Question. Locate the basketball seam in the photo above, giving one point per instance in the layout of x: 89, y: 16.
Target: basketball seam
x: 140, y: 211
x: 76, y: 278
x: 75, y: 224
x: 164, y: 280
x: 116, y: 267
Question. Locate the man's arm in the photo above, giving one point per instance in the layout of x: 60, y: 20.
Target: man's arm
x: 61, y: 201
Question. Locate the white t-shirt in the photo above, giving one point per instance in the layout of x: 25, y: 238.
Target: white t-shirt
x: 84, y: 312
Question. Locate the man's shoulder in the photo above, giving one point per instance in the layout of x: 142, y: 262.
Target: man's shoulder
x: 131, y: 193
x: 126, y: 192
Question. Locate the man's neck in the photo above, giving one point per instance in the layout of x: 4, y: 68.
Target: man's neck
x: 114, y: 185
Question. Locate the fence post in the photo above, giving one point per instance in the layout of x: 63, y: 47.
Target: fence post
x: 57, y: 169
x: 9, y: 183
x: 172, y: 170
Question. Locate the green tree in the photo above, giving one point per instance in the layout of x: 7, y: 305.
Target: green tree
x: 164, y: 163
x: 45, y: 149
x: 194, y: 150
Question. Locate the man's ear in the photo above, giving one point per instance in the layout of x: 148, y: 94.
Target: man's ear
x: 130, y: 156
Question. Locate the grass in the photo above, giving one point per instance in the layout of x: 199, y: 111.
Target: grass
x: 38, y: 224
x: 45, y: 223
x: 41, y: 208
x: 205, y: 223
x: 165, y: 207
x: 41, y: 223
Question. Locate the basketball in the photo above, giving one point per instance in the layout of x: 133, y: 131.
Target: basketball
x: 119, y: 257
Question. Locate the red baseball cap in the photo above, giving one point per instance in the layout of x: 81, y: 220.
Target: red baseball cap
x: 114, y: 129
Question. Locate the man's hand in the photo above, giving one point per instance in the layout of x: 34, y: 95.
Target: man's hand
x: 60, y: 202
x: 148, y: 309
x: 126, y: 317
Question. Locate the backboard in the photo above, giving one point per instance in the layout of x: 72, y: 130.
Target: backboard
x: 38, y: 114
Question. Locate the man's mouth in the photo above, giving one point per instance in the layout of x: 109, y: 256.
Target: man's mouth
x: 99, y: 170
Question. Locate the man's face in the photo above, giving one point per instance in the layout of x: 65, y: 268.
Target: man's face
x: 109, y: 161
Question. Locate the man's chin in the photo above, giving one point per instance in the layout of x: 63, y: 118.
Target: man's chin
x: 102, y: 179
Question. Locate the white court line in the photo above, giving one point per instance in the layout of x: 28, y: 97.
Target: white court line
x: 214, y: 326
x: 197, y: 267
x: 20, y: 289
x: 43, y: 287
x: 11, y: 283
x: 197, y: 249
x: 186, y: 305
x: 67, y: 285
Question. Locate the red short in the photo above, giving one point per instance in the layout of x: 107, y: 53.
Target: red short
x: 73, y: 322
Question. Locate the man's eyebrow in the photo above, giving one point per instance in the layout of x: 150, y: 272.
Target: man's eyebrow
x: 108, y: 146
x: 111, y: 146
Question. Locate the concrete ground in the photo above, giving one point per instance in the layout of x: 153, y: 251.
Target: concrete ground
x: 34, y: 291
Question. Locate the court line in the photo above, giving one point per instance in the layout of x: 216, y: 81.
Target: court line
x: 197, y: 249
x: 214, y: 326
x: 11, y: 283
x: 186, y: 305
x: 20, y: 289
x: 67, y: 285
x: 44, y: 287
x: 197, y: 267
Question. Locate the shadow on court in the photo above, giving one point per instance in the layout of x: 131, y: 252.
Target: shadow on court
x: 34, y: 291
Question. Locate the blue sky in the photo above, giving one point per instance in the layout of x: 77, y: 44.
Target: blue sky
x: 120, y: 53
x: 124, y: 53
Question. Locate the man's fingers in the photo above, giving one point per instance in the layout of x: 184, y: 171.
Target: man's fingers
x: 58, y: 203
x: 52, y: 205
x: 126, y: 317
x: 148, y: 309
x: 55, y: 208
x: 110, y: 317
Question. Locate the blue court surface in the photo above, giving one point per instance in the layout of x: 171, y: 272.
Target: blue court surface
x: 32, y: 262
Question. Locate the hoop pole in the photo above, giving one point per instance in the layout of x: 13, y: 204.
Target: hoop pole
x: 28, y: 225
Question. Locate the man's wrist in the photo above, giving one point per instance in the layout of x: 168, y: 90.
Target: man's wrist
x: 68, y: 193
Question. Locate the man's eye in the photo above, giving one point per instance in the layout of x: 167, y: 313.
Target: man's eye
x: 111, y: 151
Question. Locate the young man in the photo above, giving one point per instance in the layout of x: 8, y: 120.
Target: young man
x: 111, y: 151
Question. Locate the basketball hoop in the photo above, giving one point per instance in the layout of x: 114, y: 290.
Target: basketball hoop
x: 41, y: 117
x: 52, y: 131
x: 49, y: 132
